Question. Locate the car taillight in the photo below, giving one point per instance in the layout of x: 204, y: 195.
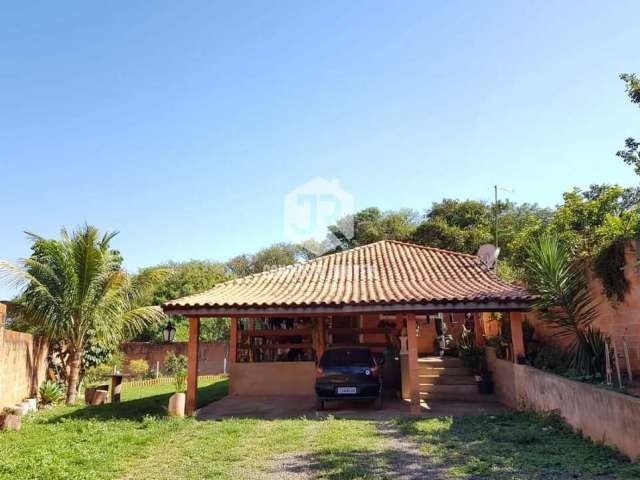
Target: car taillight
x: 319, y: 372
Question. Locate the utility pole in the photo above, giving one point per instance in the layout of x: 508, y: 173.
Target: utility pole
x: 496, y: 212
x: 495, y: 208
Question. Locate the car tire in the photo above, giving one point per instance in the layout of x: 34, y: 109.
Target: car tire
x: 320, y: 405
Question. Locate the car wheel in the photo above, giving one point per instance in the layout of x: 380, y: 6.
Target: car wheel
x: 320, y: 405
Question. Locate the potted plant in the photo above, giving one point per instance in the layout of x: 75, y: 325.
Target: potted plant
x: 474, y: 358
x: 178, y: 400
x: 10, y: 419
x: 50, y: 393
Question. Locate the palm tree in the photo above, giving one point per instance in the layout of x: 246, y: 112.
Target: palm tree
x: 77, y: 292
x: 564, y: 301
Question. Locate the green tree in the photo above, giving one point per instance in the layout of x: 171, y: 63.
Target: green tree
x: 631, y: 153
x: 77, y: 292
x: 438, y: 233
x: 372, y: 225
x: 274, y: 256
x: 589, y: 221
x: 184, y: 279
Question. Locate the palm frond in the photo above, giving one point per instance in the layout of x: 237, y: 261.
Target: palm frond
x: 558, y: 280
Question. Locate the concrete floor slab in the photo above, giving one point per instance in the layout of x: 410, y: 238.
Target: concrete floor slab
x: 277, y: 407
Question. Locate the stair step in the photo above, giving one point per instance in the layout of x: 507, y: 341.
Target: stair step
x: 467, y: 398
x: 450, y: 389
x: 442, y: 371
x: 447, y: 379
x: 440, y: 361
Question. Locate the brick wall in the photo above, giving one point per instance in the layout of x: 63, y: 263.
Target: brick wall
x: 23, y: 363
x: 620, y: 320
x: 211, y: 354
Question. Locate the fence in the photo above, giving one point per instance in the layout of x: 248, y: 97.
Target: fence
x: 164, y: 380
x: 23, y: 363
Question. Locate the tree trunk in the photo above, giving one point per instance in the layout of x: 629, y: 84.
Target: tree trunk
x: 75, y: 360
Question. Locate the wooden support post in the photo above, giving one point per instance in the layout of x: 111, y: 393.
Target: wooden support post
x: 517, y: 338
x: 252, y: 327
x: 319, y: 336
x: 192, y: 370
x: 412, y: 346
x: 233, y: 341
x: 478, y: 327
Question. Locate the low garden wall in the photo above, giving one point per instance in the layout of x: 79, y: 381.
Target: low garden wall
x: 605, y: 416
x: 23, y: 363
x: 211, y: 355
x: 273, y: 378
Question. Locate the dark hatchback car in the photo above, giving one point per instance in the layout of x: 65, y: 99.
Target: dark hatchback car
x: 348, y: 373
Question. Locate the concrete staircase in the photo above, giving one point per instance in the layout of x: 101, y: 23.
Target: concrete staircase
x: 446, y: 378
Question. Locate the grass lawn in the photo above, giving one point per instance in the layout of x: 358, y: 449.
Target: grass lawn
x: 136, y: 440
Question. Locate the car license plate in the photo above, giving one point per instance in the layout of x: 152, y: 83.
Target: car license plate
x: 346, y: 390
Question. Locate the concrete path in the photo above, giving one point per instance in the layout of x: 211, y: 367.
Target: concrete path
x: 295, y: 407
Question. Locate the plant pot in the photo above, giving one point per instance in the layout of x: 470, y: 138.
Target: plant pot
x: 10, y: 421
x: 32, y: 404
x: 177, y: 403
x: 485, y: 384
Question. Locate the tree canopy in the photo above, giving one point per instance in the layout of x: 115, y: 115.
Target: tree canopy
x: 631, y: 153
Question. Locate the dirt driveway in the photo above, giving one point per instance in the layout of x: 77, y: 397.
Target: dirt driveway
x: 396, y: 456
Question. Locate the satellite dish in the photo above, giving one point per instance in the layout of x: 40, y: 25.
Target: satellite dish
x: 489, y: 254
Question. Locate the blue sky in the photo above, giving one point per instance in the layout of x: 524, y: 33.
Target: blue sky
x: 184, y: 124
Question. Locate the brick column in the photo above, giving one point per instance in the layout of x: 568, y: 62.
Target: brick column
x: 233, y: 341
x: 192, y: 368
x: 412, y: 347
x: 517, y: 338
x: 478, y: 327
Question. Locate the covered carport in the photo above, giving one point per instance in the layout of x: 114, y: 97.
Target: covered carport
x: 282, y: 320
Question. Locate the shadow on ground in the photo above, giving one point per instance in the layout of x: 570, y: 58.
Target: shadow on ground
x: 291, y: 406
x: 354, y: 463
x: 138, y: 409
x: 514, y: 445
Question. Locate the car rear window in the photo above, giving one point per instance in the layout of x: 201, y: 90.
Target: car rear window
x: 340, y: 358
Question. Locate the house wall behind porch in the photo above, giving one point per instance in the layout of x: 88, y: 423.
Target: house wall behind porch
x: 273, y: 378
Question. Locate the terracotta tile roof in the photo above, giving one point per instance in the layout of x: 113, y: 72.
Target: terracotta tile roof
x: 383, y: 273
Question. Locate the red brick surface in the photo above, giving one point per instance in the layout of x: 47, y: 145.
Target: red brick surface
x: 211, y: 355
x: 23, y: 363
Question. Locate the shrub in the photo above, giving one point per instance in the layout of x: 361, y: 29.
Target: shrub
x: 175, y: 363
x: 139, y: 368
x: 472, y: 356
x: 94, y: 376
x: 589, y: 357
x: 551, y: 358
x: 609, y: 266
x: 180, y: 381
x: 474, y: 359
x: 499, y: 345
x: 51, y: 392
